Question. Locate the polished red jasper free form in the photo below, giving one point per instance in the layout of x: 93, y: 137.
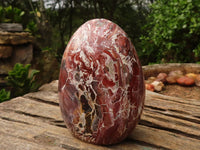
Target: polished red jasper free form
x: 101, y: 85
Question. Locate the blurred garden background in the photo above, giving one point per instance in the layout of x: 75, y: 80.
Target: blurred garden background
x: 163, y: 31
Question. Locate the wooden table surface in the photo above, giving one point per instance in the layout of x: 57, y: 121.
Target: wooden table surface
x: 34, y: 122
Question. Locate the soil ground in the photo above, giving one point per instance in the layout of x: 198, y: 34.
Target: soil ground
x: 192, y: 92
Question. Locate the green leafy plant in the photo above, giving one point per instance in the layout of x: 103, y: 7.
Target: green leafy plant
x: 173, y: 32
x: 4, y: 95
x: 11, y: 14
x: 33, y: 29
x: 22, y: 80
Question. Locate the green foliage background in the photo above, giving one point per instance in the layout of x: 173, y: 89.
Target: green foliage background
x: 173, y: 32
x: 21, y: 80
x: 4, y: 95
x: 161, y: 30
x: 11, y: 14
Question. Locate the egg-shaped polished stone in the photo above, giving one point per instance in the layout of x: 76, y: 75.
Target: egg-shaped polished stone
x: 101, y: 85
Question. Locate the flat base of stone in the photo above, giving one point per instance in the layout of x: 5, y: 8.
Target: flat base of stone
x: 11, y: 27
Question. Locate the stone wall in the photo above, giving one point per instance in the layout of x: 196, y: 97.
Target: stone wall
x: 15, y: 47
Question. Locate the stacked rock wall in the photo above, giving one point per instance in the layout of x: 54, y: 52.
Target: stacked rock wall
x: 15, y: 47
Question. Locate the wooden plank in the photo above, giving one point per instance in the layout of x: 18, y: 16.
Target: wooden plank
x: 49, y: 129
x: 53, y: 86
x: 35, y: 120
x: 150, y: 116
x: 177, y: 125
x: 9, y: 142
x: 164, y: 139
x: 31, y: 107
x: 195, y: 102
x: 172, y: 105
x: 38, y: 114
x: 185, y: 109
x: 45, y: 133
x: 44, y: 96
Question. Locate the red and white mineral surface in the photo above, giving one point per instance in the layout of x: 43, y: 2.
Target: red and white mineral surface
x: 101, y: 85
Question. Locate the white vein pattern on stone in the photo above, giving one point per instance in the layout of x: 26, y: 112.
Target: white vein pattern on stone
x: 99, y: 71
